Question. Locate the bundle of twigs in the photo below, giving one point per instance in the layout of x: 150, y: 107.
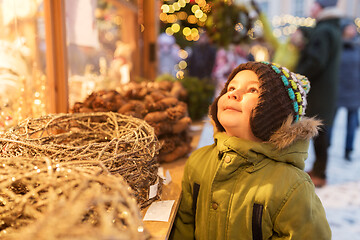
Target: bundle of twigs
x: 42, y: 199
x: 126, y: 145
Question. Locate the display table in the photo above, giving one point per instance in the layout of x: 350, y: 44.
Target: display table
x: 172, y: 191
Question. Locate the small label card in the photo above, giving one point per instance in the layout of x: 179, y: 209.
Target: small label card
x: 159, y: 211
x: 153, y: 190
x: 167, y: 178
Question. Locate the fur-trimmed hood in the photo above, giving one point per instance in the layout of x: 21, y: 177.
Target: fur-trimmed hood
x: 289, y: 132
x: 329, y: 13
x: 290, y: 144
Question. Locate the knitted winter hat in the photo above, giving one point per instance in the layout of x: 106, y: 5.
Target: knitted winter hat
x: 282, y: 94
x: 327, y: 3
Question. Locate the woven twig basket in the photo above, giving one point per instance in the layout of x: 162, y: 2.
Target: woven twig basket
x: 127, y: 146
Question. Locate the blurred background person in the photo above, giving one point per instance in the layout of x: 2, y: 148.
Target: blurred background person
x: 349, y: 81
x: 202, y: 59
x: 286, y: 53
x: 168, y: 54
x: 320, y: 62
x: 224, y: 63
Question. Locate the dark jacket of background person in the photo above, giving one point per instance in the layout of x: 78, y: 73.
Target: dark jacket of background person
x: 202, y: 59
x: 320, y: 61
x: 349, y: 85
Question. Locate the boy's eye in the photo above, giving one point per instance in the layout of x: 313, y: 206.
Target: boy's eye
x: 231, y: 89
x: 253, y: 90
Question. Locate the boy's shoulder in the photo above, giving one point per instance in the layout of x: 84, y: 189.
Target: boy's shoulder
x: 277, y: 172
x: 203, y: 151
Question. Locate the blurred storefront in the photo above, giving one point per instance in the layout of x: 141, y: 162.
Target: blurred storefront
x: 54, y: 52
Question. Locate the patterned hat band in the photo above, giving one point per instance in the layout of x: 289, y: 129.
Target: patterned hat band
x: 297, y: 87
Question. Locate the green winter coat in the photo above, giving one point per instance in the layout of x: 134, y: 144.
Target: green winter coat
x: 320, y: 62
x: 238, y: 189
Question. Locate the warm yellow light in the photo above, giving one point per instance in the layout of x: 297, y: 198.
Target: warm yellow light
x: 163, y: 17
x: 357, y: 21
x: 180, y: 74
x: 194, y: 32
x: 172, y: 18
x: 192, y: 19
x: 206, y: 8
x: 165, y: 8
x: 182, y: 65
x: 175, y: 27
x: 201, y: 3
x: 118, y: 20
x: 260, y: 53
x: 187, y: 31
x: 239, y: 27
x: 171, y: 9
x: 182, y: 15
x: 309, y: 22
x: 194, y: 8
x: 183, y: 54
x: 203, y: 18
x: 251, y: 34
x: 182, y: 3
x: 199, y: 13
x: 176, y: 6
x: 169, y: 31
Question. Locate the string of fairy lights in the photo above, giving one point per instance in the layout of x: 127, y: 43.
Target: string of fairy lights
x: 174, y: 12
x: 188, y: 18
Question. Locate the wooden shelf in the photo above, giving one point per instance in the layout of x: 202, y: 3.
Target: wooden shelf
x: 172, y: 191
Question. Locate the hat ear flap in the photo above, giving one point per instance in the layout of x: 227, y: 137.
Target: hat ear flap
x: 213, y: 109
x: 289, y: 132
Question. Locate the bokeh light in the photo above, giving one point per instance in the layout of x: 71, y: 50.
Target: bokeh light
x: 175, y: 27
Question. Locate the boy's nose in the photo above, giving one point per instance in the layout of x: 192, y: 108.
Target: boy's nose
x: 235, y: 95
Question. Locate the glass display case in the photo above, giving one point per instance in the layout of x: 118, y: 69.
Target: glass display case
x: 102, y: 44
x: 55, y: 52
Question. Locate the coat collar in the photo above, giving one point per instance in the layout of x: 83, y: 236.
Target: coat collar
x: 255, y: 152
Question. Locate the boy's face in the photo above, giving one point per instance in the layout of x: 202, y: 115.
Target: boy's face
x: 236, y: 105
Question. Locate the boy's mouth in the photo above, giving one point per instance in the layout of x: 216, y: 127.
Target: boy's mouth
x: 231, y: 108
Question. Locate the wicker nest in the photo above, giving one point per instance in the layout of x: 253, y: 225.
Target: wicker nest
x: 127, y: 146
x: 42, y: 199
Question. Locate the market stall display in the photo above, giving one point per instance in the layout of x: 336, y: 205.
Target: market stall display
x: 44, y: 199
x: 127, y: 146
x: 14, y: 73
x: 158, y: 103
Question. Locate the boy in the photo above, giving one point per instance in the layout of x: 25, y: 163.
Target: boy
x: 250, y: 183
